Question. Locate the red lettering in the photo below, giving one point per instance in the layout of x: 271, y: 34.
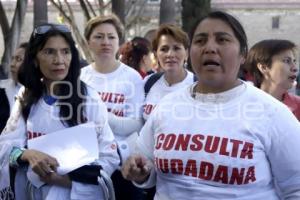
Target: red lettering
x: 206, y: 170
x: 117, y: 97
x: 191, y: 168
x: 182, y: 142
x: 223, y: 148
x: 104, y: 96
x: 196, y: 139
x: 250, y: 176
x: 159, y: 140
x: 237, y: 176
x: 148, y: 108
x: 119, y: 113
x: 222, y: 174
x: 163, y: 165
x: 29, y: 135
x: 121, y: 99
x: 110, y: 96
x: 169, y: 141
x: 212, y: 143
x: 247, y: 150
x: 176, y: 166
x: 235, y: 147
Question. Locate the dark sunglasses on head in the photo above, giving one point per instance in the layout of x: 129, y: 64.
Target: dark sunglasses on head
x: 42, y: 29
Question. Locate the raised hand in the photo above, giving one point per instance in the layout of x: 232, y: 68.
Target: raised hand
x: 136, y: 168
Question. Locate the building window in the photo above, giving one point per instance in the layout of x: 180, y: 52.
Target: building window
x: 275, y: 22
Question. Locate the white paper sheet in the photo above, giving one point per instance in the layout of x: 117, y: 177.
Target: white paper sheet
x: 72, y: 147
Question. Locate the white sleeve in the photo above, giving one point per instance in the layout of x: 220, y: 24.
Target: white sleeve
x: 135, y: 99
x: 109, y: 159
x: 284, y: 153
x: 145, y: 146
x: 96, y: 111
x: 124, y: 125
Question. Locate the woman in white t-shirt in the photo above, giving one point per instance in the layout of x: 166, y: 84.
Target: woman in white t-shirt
x: 170, y: 47
x: 220, y: 138
x: 11, y: 86
x: 51, y: 100
x: 119, y: 86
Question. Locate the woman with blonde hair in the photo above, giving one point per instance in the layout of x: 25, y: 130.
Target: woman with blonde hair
x: 119, y: 86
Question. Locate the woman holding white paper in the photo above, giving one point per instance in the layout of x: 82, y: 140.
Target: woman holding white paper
x: 53, y: 99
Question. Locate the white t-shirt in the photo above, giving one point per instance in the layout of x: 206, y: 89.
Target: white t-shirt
x: 44, y: 119
x: 121, y: 90
x: 160, y: 89
x: 11, y: 90
x: 222, y: 146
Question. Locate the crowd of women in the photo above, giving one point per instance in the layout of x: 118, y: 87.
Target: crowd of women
x: 190, y: 128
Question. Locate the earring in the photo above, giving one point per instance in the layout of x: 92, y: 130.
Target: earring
x: 185, y: 65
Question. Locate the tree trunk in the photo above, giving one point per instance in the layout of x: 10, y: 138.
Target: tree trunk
x: 82, y: 46
x: 167, y: 11
x: 192, y: 10
x: 40, y: 12
x: 12, y: 40
x: 118, y: 8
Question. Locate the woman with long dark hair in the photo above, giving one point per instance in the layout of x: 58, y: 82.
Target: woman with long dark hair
x: 53, y: 98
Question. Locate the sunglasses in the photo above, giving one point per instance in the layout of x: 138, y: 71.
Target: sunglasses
x: 42, y: 29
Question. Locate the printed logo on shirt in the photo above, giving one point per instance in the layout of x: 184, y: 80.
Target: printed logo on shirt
x: 32, y: 134
x: 114, y: 98
x: 117, y: 112
x: 109, y: 97
x: 203, y: 169
x: 148, y: 108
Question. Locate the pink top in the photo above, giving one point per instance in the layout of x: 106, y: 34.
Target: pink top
x: 293, y: 102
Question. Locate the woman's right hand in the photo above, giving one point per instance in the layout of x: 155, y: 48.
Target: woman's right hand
x: 41, y: 163
x: 136, y: 168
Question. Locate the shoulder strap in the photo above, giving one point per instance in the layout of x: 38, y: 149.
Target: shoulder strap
x: 150, y: 82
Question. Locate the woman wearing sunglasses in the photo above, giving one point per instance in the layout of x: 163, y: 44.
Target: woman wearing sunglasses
x: 53, y: 99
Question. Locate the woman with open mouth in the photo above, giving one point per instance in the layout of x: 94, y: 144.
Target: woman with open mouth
x: 274, y: 67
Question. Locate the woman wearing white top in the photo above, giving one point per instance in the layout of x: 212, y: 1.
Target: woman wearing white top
x: 120, y: 87
x: 53, y: 99
x: 170, y: 47
x: 220, y: 138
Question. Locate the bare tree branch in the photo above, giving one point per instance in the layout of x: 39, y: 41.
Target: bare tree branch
x: 134, y: 13
x: 12, y: 40
x: 91, y: 8
x: 82, y: 45
x: 59, y: 6
x: 85, y: 9
x: 4, y: 22
x: 70, y: 10
x: 104, y: 7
